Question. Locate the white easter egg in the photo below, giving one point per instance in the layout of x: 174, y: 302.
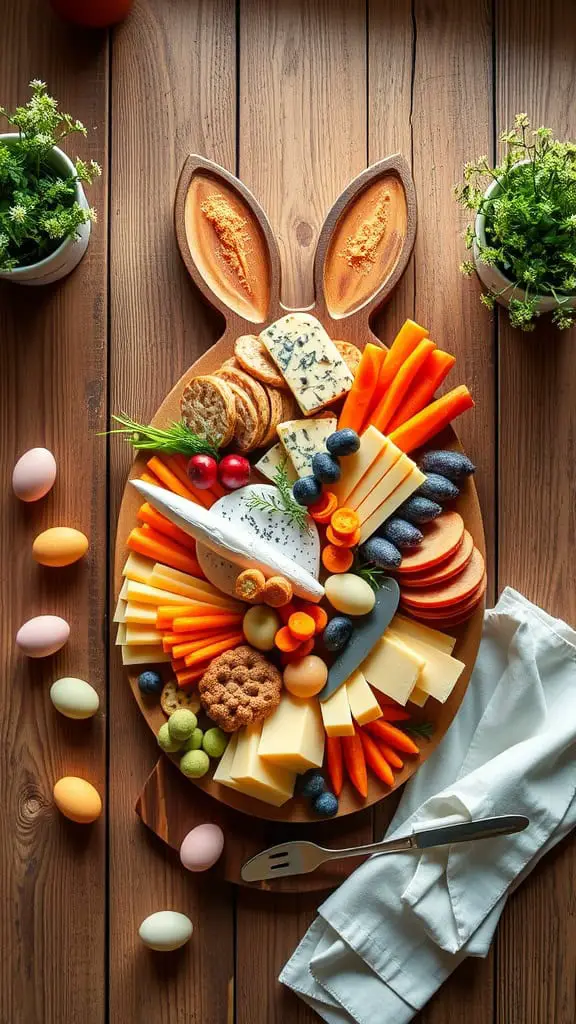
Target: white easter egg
x: 165, y: 930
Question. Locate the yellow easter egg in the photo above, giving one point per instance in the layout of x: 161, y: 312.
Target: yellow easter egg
x: 61, y: 545
x: 77, y: 799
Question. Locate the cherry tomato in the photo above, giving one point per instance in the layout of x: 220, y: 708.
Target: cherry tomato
x: 92, y: 13
x: 202, y: 470
x: 234, y: 472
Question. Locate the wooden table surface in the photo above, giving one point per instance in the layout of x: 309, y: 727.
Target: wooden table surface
x: 296, y: 96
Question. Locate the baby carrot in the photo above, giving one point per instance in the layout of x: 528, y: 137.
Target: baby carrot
x: 399, y: 386
x: 149, y: 515
x: 334, y: 763
x: 146, y: 541
x: 391, y: 756
x: 188, y: 676
x: 197, y: 623
x: 191, y: 646
x: 376, y: 759
x: 212, y: 650
x: 393, y: 736
x: 355, y: 763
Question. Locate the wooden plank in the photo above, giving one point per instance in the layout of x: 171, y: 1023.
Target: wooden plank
x: 52, y: 381
x: 302, y: 137
x: 173, y: 92
x: 535, y: 72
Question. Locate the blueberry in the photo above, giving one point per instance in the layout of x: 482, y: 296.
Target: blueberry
x: 438, y: 488
x: 337, y: 633
x: 150, y: 682
x: 401, y: 533
x: 307, y: 490
x: 343, y: 442
x: 381, y: 552
x: 326, y: 805
x: 326, y: 468
x: 454, y: 465
x: 419, y: 510
x: 313, y: 784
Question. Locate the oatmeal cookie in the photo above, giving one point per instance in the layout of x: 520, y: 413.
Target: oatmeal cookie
x: 240, y: 687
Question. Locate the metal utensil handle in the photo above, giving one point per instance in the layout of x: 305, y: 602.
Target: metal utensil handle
x: 386, y: 846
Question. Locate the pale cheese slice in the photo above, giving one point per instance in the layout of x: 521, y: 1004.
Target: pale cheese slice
x: 141, y: 593
x: 394, y: 477
x: 222, y: 772
x: 121, y: 634
x: 255, y: 776
x: 418, y: 697
x: 178, y: 582
x: 123, y: 595
x: 294, y: 735
x: 440, y: 672
x: 120, y: 612
x: 272, y: 460
x: 376, y: 472
x: 388, y: 507
x: 363, y: 703
x: 336, y: 714
x: 303, y: 439
x: 138, y: 568
x: 393, y: 668
x: 142, y: 614
x: 372, y: 445
x: 407, y: 628
x: 143, y: 655
x: 142, y: 635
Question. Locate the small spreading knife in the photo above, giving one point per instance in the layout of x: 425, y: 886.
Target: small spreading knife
x: 301, y: 857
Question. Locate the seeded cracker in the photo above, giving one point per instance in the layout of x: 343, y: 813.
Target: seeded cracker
x: 208, y: 407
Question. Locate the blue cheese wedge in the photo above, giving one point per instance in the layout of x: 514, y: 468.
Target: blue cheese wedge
x: 308, y: 360
x: 302, y: 439
x: 275, y: 457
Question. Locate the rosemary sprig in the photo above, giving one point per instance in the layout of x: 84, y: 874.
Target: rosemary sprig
x: 423, y: 730
x: 175, y: 439
x: 371, y: 574
x: 284, y: 504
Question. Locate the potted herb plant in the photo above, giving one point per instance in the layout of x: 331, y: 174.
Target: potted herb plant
x: 45, y: 219
x: 523, y: 238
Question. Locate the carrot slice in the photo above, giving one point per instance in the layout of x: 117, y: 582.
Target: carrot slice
x: 213, y: 650
x: 400, y: 385
x: 301, y: 625
x: 285, y: 641
x: 434, y: 418
x: 322, y: 503
x: 342, y: 542
x: 197, y: 623
x: 423, y: 387
x: 317, y: 613
x: 392, y: 736
x: 326, y: 514
x: 334, y: 763
x: 442, y: 538
x: 362, y: 391
x: 376, y: 760
x: 154, y: 545
x: 149, y: 515
x: 337, y: 559
x: 452, y: 566
x: 304, y: 648
x: 355, y: 762
x: 345, y: 522
x: 453, y: 592
x: 285, y: 611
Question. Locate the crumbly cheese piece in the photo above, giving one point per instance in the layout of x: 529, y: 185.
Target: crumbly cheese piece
x: 374, y: 473
x: 138, y: 568
x: 363, y: 703
x: 142, y: 614
x: 440, y: 672
x: 254, y: 776
x: 389, y: 506
x: 407, y: 628
x: 275, y: 457
x: 309, y: 361
x: 143, y: 655
x: 393, y: 668
x: 294, y: 735
x: 354, y: 467
x: 302, y: 439
x: 387, y: 485
x: 336, y: 714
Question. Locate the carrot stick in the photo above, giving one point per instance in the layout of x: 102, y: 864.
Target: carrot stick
x: 394, y: 714
x: 178, y: 468
x: 408, y: 337
x: 171, y: 640
x: 204, y: 643
x: 151, y: 478
x: 424, y: 387
x: 213, y: 650
x: 149, y: 515
x: 187, y: 676
x: 165, y: 614
x: 416, y: 431
x: 355, y: 763
x: 178, y: 664
x: 334, y: 763
x: 376, y: 759
x: 362, y: 390
x: 392, y: 736
x: 399, y: 387
x: 196, y: 623
x: 391, y: 756
x: 168, y: 478
x: 154, y: 545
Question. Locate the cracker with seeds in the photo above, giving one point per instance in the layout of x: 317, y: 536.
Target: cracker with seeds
x: 208, y: 407
x: 248, y: 425
x: 253, y: 357
x: 255, y: 391
x: 173, y: 697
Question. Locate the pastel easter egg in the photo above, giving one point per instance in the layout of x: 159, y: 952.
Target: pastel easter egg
x: 34, y: 474
x: 77, y: 799
x: 74, y: 697
x: 60, y: 545
x: 165, y: 930
x: 350, y: 594
x: 260, y: 626
x: 306, y: 676
x: 202, y: 847
x: 42, y: 636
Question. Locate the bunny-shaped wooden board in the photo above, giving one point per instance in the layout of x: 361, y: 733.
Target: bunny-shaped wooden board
x: 244, y: 285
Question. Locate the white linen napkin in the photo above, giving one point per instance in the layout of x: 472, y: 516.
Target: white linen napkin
x: 398, y: 927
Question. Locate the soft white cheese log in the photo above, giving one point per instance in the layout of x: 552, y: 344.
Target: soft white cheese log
x: 220, y: 536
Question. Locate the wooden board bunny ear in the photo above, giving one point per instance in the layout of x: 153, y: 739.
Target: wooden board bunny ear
x: 366, y: 240
x: 226, y: 242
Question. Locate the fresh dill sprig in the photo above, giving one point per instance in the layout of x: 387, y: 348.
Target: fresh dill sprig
x: 284, y: 504
x: 424, y: 730
x: 175, y: 439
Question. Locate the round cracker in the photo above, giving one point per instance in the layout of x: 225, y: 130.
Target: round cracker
x: 256, y: 393
x: 253, y: 357
x: 290, y: 409
x: 275, y: 398
x: 350, y: 354
x: 247, y: 421
x: 173, y: 697
x: 208, y: 407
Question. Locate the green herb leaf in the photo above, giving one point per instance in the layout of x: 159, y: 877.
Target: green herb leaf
x: 422, y: 730
x: 176, y: 439
x: 285, y: 504
x: 371, y: 574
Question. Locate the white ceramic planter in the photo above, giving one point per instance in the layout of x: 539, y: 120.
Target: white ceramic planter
x: 68, y: 255
x: 495, y: 281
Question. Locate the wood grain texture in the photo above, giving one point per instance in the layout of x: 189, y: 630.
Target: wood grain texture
x: 536, y: 947
x: 173, y: 93
x: 52, y: 873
